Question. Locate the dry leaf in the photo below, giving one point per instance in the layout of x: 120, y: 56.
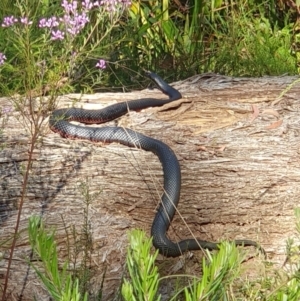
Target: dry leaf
x: 222, y: 148
x: 270, y: 112
x: 274, y: 125
x: 255, y: 113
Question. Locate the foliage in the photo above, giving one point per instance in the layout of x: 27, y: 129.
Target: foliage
x: 233, y: 38
x: 80, y: 245
x: 257, y: 48
x: 44, y: 52
x: 58, y: 281
x: 175, y: 38
x: 221, y: 277
x: 219, y: 273
x: 144, y: 277
x: 71, y: 280
x: 47, y: 48
x: 79, y: 242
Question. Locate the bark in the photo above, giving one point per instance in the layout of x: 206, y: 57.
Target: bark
x: 237, y: 141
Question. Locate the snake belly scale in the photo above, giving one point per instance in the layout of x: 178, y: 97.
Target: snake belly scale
x: 59, y: 122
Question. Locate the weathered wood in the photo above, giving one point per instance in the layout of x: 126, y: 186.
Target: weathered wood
x: 240, y: 173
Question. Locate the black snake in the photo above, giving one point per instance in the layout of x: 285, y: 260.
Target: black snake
x: 60, y: 122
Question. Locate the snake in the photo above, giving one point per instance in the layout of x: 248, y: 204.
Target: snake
x: 60, y: 122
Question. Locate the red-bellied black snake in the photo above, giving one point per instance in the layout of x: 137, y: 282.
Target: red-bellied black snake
x: 60, y: 122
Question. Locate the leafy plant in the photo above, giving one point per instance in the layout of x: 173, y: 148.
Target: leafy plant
x: 144, y: 277
x: 221, y: 277
x: 46, y: 53
x: 219, y: 271
x: 248, y: 45
x: 45, y: 46
x: 179, y: 39
x: 58, y: 281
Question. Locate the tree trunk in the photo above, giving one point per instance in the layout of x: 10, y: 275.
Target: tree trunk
x: 237, y: 141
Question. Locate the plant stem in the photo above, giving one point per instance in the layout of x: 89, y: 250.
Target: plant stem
x: 24, y: 187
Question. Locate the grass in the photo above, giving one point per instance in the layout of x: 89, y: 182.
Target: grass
x: 39, y: 61
x: 256, y: 49
x: 58, y: 282
x: 247, y: 38
x: 221, y: 279
x: 71, y: 280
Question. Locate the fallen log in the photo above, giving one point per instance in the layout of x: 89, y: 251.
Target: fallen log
x: 237, y: 141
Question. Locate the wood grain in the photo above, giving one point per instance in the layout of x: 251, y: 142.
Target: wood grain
x: 240, y: 175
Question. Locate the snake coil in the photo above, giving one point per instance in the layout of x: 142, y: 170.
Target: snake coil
x: 60, y: 122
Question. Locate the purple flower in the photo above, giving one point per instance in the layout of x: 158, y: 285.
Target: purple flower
x: 87, y: 5
x: 25, y: 21
x: 52, y: 22
x: 81, y: 20
x: 57, y: 35
x: 66, y: 19
x: 75, y: 23
x: 69, y: 7
x: 2, y: 58
x: 49, y: 23
x: 42, y: 23
x: 9, y: 21
x: 101, y: 64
